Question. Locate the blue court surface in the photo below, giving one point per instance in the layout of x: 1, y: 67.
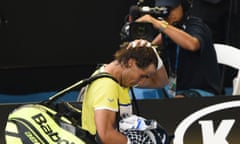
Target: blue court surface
x: 72, y: 96
x: 36, y: 97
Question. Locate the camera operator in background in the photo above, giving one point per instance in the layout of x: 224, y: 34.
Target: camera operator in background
x: 187, y: 50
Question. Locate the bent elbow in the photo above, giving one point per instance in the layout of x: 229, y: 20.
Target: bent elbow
x: 193, y: 45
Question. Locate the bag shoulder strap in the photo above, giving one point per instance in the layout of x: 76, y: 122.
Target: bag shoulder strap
x: 79, y: 84
x: 100, y: 75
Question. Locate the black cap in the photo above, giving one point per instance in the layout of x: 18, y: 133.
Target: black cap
x: 168, y: 3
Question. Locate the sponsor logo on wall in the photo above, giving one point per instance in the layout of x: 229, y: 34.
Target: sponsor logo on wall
x: 214, y: 124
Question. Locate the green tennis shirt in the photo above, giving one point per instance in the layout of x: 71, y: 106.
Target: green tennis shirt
x: 107, y: 94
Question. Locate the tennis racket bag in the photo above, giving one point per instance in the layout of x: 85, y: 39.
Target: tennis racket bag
x: 49, y: 122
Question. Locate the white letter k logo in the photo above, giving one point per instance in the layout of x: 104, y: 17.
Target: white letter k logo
x: 219, y: 137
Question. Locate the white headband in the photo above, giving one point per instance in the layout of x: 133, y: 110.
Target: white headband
x: 160, y: 63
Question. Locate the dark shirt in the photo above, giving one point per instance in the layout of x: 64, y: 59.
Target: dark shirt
x: 194, y: 70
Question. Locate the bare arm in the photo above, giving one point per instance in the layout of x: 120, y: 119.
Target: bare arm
x: 157, y: 80
x: 180, y: 37
x: 105, y: 120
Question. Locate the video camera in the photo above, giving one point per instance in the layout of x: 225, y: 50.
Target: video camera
x: 138, y: 30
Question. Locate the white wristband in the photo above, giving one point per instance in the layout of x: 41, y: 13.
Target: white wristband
x: 160, y: 63
x: 128, y: 141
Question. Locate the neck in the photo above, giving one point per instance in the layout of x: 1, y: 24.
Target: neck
x: 115, y: 69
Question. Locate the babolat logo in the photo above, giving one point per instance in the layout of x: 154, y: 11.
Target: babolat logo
x: 54, y: 136
x: 215, y: 124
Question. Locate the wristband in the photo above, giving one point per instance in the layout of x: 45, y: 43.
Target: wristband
x: 164, y: 25
x: 128, y: 141
x: 160, y: 63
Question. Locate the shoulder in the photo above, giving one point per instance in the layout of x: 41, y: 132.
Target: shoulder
x: 197, y: 25
x: 104, y: 82
x: 196, y: 21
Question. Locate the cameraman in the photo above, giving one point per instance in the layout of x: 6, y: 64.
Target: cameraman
x: 187, y: 42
